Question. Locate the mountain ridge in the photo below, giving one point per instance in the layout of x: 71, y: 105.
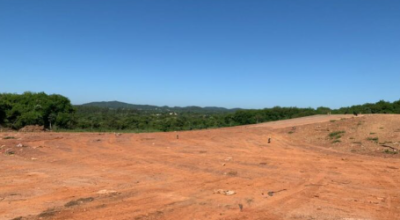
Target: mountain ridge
x: 144, y: 107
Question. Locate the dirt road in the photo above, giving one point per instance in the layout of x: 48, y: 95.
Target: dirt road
x: 157, y: 176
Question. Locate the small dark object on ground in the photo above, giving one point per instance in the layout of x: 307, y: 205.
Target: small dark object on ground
x: 384, y: 145
x: 79, y: 201
x: 271, y: 193
x: 9, y: 137
x: 269, y: 140
x: 241, y: 207
x: 47, y: 213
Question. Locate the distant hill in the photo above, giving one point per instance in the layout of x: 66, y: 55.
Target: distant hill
x: 153, y: 108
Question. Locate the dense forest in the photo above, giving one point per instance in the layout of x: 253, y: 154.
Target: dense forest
x: 57, y: 113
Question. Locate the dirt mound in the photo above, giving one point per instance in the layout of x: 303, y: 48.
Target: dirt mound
x: 5, y: 129
x: 369, y: 134
x: 32, y: 128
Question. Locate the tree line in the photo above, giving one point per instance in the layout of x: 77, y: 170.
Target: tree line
x: 56, y: 112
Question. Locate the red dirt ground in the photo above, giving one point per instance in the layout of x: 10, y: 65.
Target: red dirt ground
x: 300, y: 175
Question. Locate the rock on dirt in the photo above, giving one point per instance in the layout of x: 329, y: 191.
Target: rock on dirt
x: 224, y: 192
x: 105, y: 191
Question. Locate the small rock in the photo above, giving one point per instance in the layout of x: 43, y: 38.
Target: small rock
x: 105, y: 191
x: 228, y: 159
x: 224, y: 192
x: 19, y: 145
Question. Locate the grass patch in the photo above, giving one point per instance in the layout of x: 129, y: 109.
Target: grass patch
x: 290, y: 132
x: 357, y: 142
x: 372, y: 133
x: 373, y: 139
x: 336, y: 134
x: 351, y: 138
x: 9, y: 137
x: 232, y: 173
x: 387, y: 151
x: 332, y: 121
x: 336, y: 141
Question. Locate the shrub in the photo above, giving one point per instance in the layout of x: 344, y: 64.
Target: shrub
x: 387, y: 151
x: 336, y: 134
x: 374, y: 139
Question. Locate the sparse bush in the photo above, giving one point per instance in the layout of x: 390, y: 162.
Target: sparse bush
x: 9, y: 137
x: 336, y: 134
x: 232, y: 173
x: 336, y: 141
x: 387, y: 151
x: 374, y: 139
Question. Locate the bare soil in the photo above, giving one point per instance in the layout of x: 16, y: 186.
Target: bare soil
x: 230, y: 173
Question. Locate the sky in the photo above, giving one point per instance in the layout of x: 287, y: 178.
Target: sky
x: 227, y: 53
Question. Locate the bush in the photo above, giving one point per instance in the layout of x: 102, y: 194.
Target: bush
x: 336, y: 134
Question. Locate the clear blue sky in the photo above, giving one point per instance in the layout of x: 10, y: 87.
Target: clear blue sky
x: 229, y: 53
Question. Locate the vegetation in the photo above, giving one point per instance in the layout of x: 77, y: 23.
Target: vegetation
x: 17, y: 111
x: 371, y: 108
x: 374, y: 139
x: 387, y: 151
x: 336, y: 134
x: 159, y: 109
x: 56, y: 112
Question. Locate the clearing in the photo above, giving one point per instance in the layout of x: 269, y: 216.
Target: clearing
x: 321, y: 167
